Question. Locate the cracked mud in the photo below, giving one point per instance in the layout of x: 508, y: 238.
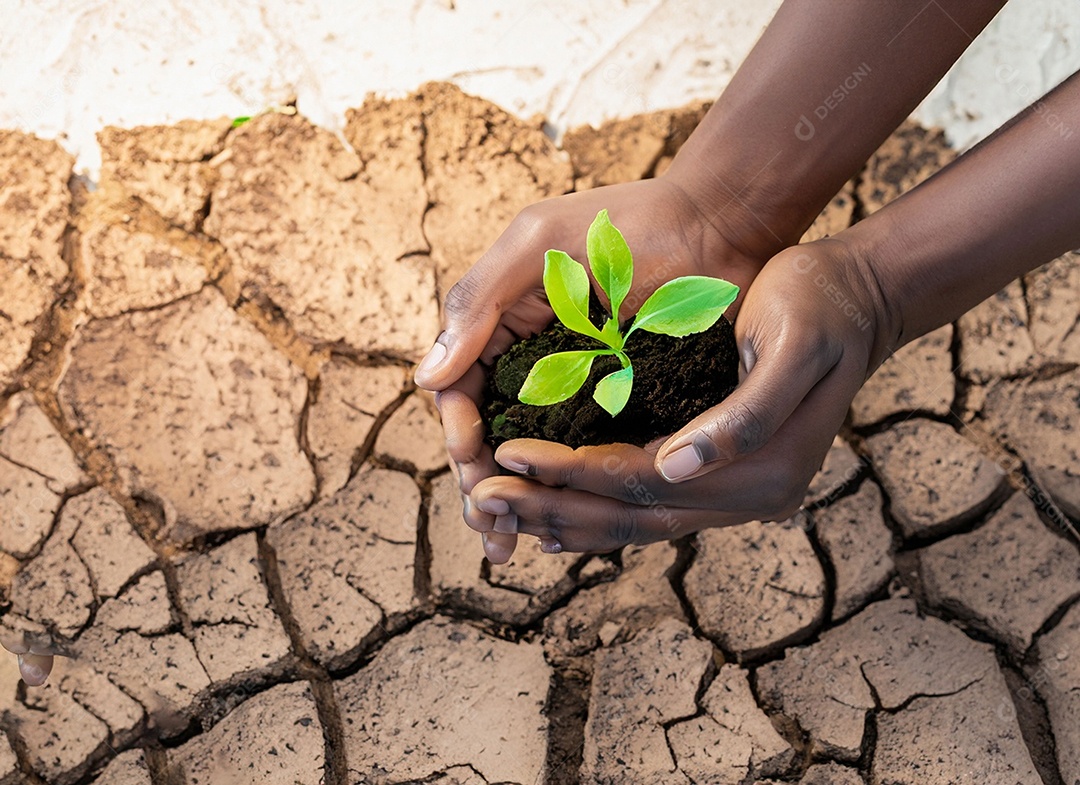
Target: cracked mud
x: 227, y: 518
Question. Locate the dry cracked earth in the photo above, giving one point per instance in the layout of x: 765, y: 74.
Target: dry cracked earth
x: 223, y: 501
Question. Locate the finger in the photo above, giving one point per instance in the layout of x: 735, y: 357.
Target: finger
x: 628, y: 474
x: 775, y: 478
x: 476, y: 519
x: 583, y: 522
x: 782, y: 373
x: 470, y: 454
x: 499, y: 547
x: 618, y: 471
x: 35, y: 668
x: 464, y: 429
x: 473, y: 307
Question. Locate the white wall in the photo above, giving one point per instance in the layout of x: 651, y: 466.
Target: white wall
x: 69, y: 67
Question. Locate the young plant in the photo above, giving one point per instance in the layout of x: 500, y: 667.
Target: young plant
x: 272, y: 109
x: 681, y: 307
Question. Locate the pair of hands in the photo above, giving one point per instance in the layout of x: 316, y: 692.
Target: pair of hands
x: 807, y: 331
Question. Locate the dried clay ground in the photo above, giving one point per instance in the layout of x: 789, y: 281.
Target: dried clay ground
x: 222, y: 499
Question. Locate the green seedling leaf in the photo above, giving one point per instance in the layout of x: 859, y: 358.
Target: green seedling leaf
x: 558, y: 376
x: 239, y: 121
x: 687, y: 305
x: 611, y: 335
x: 679, y: 308
x: 613, y: 391
x: 567, y: 286
x: 610, y: 260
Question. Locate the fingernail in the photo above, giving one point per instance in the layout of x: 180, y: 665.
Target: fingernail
x: 466, y: 506
x: 31, y: 673
x: 681, y: 463
x: 431, y: 361
x: 514, y: 465
x: 434, y: 358
x: 496, y: 553
x: 506, y: 524
x: 551, y: 547
x: 494, y: 506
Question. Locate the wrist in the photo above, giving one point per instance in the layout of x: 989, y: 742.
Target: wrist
x: 865, y: 251
x: 750, y: 210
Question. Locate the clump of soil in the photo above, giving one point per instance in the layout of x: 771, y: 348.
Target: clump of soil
x: 675, y: 379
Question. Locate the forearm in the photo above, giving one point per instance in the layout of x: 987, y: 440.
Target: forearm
x: 821, y: 90
x: 997, y: 212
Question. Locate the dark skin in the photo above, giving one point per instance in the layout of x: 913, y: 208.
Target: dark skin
x: 804, y: 355
x: 999, y: 211
x: 996, y: 213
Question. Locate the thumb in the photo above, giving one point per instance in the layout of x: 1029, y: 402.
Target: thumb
x: 474, y: 305
x: 470, y: 316
x: 778, y: 380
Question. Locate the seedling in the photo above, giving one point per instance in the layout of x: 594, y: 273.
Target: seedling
x: 272, y: 109
x: 681, y: 307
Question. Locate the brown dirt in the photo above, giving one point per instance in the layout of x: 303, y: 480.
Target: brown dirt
x: 220, y: 496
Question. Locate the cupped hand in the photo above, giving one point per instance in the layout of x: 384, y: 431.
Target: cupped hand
x: 808, y: 334
x: 501, y: 300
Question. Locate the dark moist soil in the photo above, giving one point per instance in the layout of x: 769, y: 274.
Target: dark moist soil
x: 675, y: 379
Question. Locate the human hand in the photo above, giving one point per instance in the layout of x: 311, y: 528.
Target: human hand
x: 501, y: 299
x: 808, y: 333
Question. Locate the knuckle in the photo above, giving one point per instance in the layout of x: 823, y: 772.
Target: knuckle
x: 464, y: 295
x: 632, y: 489
x: 619, y: 482
x: 821, y: 350
x: 476, y: 520
x: 549, y: 512
x: 747, y: 429
x: 810, y: 348
x: 531, y: 225
x: 624, y: 526
x: 476, y: 525
x: 571, y: 472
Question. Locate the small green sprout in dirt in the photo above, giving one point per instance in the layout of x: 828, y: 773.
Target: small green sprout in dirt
x: 288, y: 109
x: 681, y: 307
